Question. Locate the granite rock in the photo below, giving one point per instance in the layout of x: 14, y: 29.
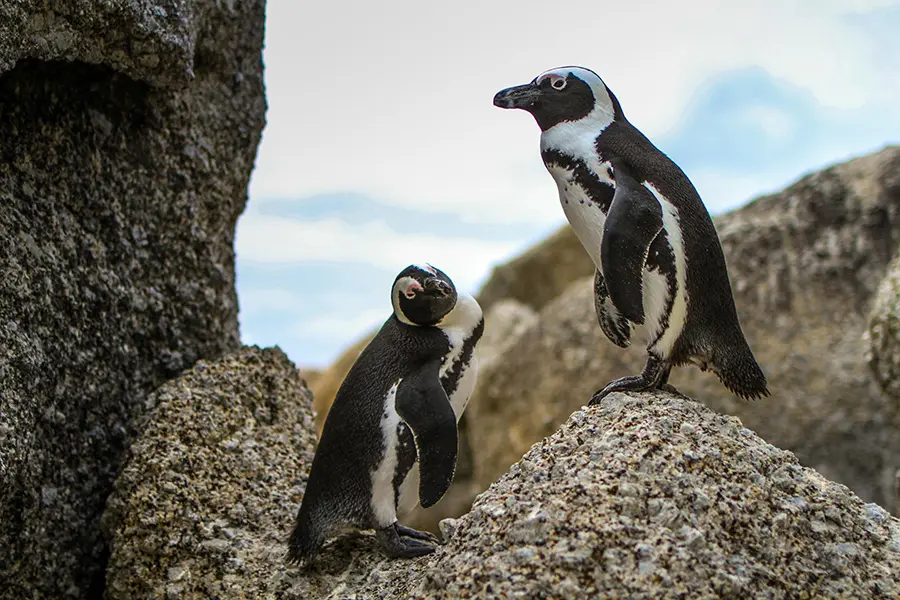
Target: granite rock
x: 646, y: 496
x: 209, y: 491
x: 121, y: 179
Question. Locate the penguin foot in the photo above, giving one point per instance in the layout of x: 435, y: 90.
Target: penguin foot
x: 654, y: 376
x: 402, y: 547
x: 633, y: 383
x: 416, y: 534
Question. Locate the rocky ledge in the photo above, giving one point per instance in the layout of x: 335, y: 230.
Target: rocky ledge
x: 650, y: 495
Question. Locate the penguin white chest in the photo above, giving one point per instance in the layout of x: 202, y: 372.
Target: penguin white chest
x: 383, y: 501
x: 584, y: 215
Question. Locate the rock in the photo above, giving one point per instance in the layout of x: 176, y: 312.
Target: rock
x: 311, y: 376
x: 208, y: 494
x: 508, y: 320
x: 804, y: 264
x: 884, y: 332
x: 540, y: 274
x: 647, y: 496
x: 121, y: 179
x: 151, y: 41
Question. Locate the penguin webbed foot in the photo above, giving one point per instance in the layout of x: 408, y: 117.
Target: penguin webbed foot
x: 654, y: 376
x: 396, y: 545
x: 415, y: 534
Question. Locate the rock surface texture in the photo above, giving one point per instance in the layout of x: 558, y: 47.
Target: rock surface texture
x: 647, y: 496
x: 804, y: 264
x: 884, y: 332
x: 210, y: 488
x: 656, y: 496
x: 128, y: 131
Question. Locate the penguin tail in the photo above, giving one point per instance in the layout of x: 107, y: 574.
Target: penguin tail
x: 738, y: 371
x: 306, y: 539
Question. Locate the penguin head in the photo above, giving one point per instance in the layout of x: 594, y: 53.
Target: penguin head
x: 561, y: 95
x: 422, y: 295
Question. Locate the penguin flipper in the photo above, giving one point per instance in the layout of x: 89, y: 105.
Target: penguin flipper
x: 424, y: 406
x: 632, y: 223
x: 616, y: 327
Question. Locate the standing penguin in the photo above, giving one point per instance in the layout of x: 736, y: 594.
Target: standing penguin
x: 390, y: 439
x: 659, y: 263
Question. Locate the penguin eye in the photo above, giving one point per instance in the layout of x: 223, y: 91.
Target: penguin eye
x: 558, y: 83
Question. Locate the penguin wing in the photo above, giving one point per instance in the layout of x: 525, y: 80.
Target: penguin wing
x: 632, y: 223
x: 616, y: 327
x: 424, y: 406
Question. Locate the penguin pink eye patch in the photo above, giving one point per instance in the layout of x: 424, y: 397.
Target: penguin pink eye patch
x: 411, y: 289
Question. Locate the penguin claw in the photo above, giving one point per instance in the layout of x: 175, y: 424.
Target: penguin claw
x: 396, y: 546
x: 409, y: 532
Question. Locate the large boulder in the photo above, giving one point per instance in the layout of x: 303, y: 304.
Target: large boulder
x: 540, y: 274
x: 128, y: 134
x: 804, y: 265
x: 652, y: 496
x: 647, y: 496
x: 208, y: 495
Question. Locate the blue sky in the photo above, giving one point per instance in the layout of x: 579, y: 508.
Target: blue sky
x: 382, y: 147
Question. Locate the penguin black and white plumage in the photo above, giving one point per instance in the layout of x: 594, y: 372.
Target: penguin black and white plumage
x: 659, y: 263
x: 389, y: 442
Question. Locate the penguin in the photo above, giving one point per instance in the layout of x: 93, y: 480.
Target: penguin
x: 660, y: 270
x: 389, y: 441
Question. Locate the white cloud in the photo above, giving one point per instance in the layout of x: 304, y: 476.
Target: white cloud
x: 395, y: 100
x: 270, y: 239
x: 341, y: 326
x: 268, y: 300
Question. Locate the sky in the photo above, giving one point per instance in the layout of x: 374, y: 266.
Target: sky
x: 382, y: 147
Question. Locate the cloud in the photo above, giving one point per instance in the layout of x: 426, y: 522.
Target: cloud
x: 382, y: 147
x: 747, y: 132
x: 343, y: 326
x: 401, y: 107
x: 267, y: 301
x: 272, y: 239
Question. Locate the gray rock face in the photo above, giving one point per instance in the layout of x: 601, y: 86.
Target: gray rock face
x: 647, y: 496
x: 210, y: 489
x: 119, y: 201
x: 149, y: 41
x: 804, y: 265
x: 884, y: 332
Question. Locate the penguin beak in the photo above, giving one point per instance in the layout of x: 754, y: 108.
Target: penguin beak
x: 520, y: 96
x: 438, y: 285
